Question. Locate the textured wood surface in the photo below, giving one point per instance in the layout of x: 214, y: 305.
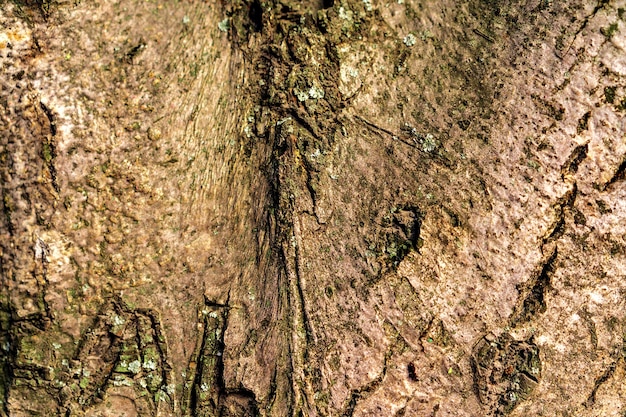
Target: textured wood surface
x: 325, y: 208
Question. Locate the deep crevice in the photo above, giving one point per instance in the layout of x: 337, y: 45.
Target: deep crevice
x: 619, y: 175
x: 208, y: 384
x: 255, y: 14
x: 583, y: 123
x: 534, y: 301
x: 599, y: 381
x: 8, y: 358
x: 573, y: 161
x: 51, y: 119
x: 49, y: 149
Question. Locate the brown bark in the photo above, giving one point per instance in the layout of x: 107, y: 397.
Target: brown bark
x: 331, y: 208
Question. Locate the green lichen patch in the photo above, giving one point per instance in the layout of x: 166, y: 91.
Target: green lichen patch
x: 610, y: 30
x: 609, y: 94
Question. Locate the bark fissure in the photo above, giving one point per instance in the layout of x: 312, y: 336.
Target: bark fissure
x: 618, y: 176
x: 534, y: 296
x: 606, y: 375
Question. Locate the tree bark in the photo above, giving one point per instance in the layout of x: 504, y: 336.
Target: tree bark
x: 324, y: 208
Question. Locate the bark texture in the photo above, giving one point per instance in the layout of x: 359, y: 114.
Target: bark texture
x: 323, y: 208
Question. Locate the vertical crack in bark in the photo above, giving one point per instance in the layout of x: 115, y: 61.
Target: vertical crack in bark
x: 153, y: 354
x: 564, y: 203
x: 205, y: 393
x: 573, y: 161
x: 309, y: 170
x: 300, y: 327
x: 8, y: 346
x: 49, y: 151
x: 533, y: 297
x: 41, y: 253
x: 606, y: 375
x: 208, y: 384
x: 591, y: 327
x: 289, y: 79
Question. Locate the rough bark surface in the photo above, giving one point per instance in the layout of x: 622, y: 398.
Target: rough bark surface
x: 323, y: 208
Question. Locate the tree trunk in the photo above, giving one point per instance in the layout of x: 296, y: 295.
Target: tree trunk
x: 323, y: 208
